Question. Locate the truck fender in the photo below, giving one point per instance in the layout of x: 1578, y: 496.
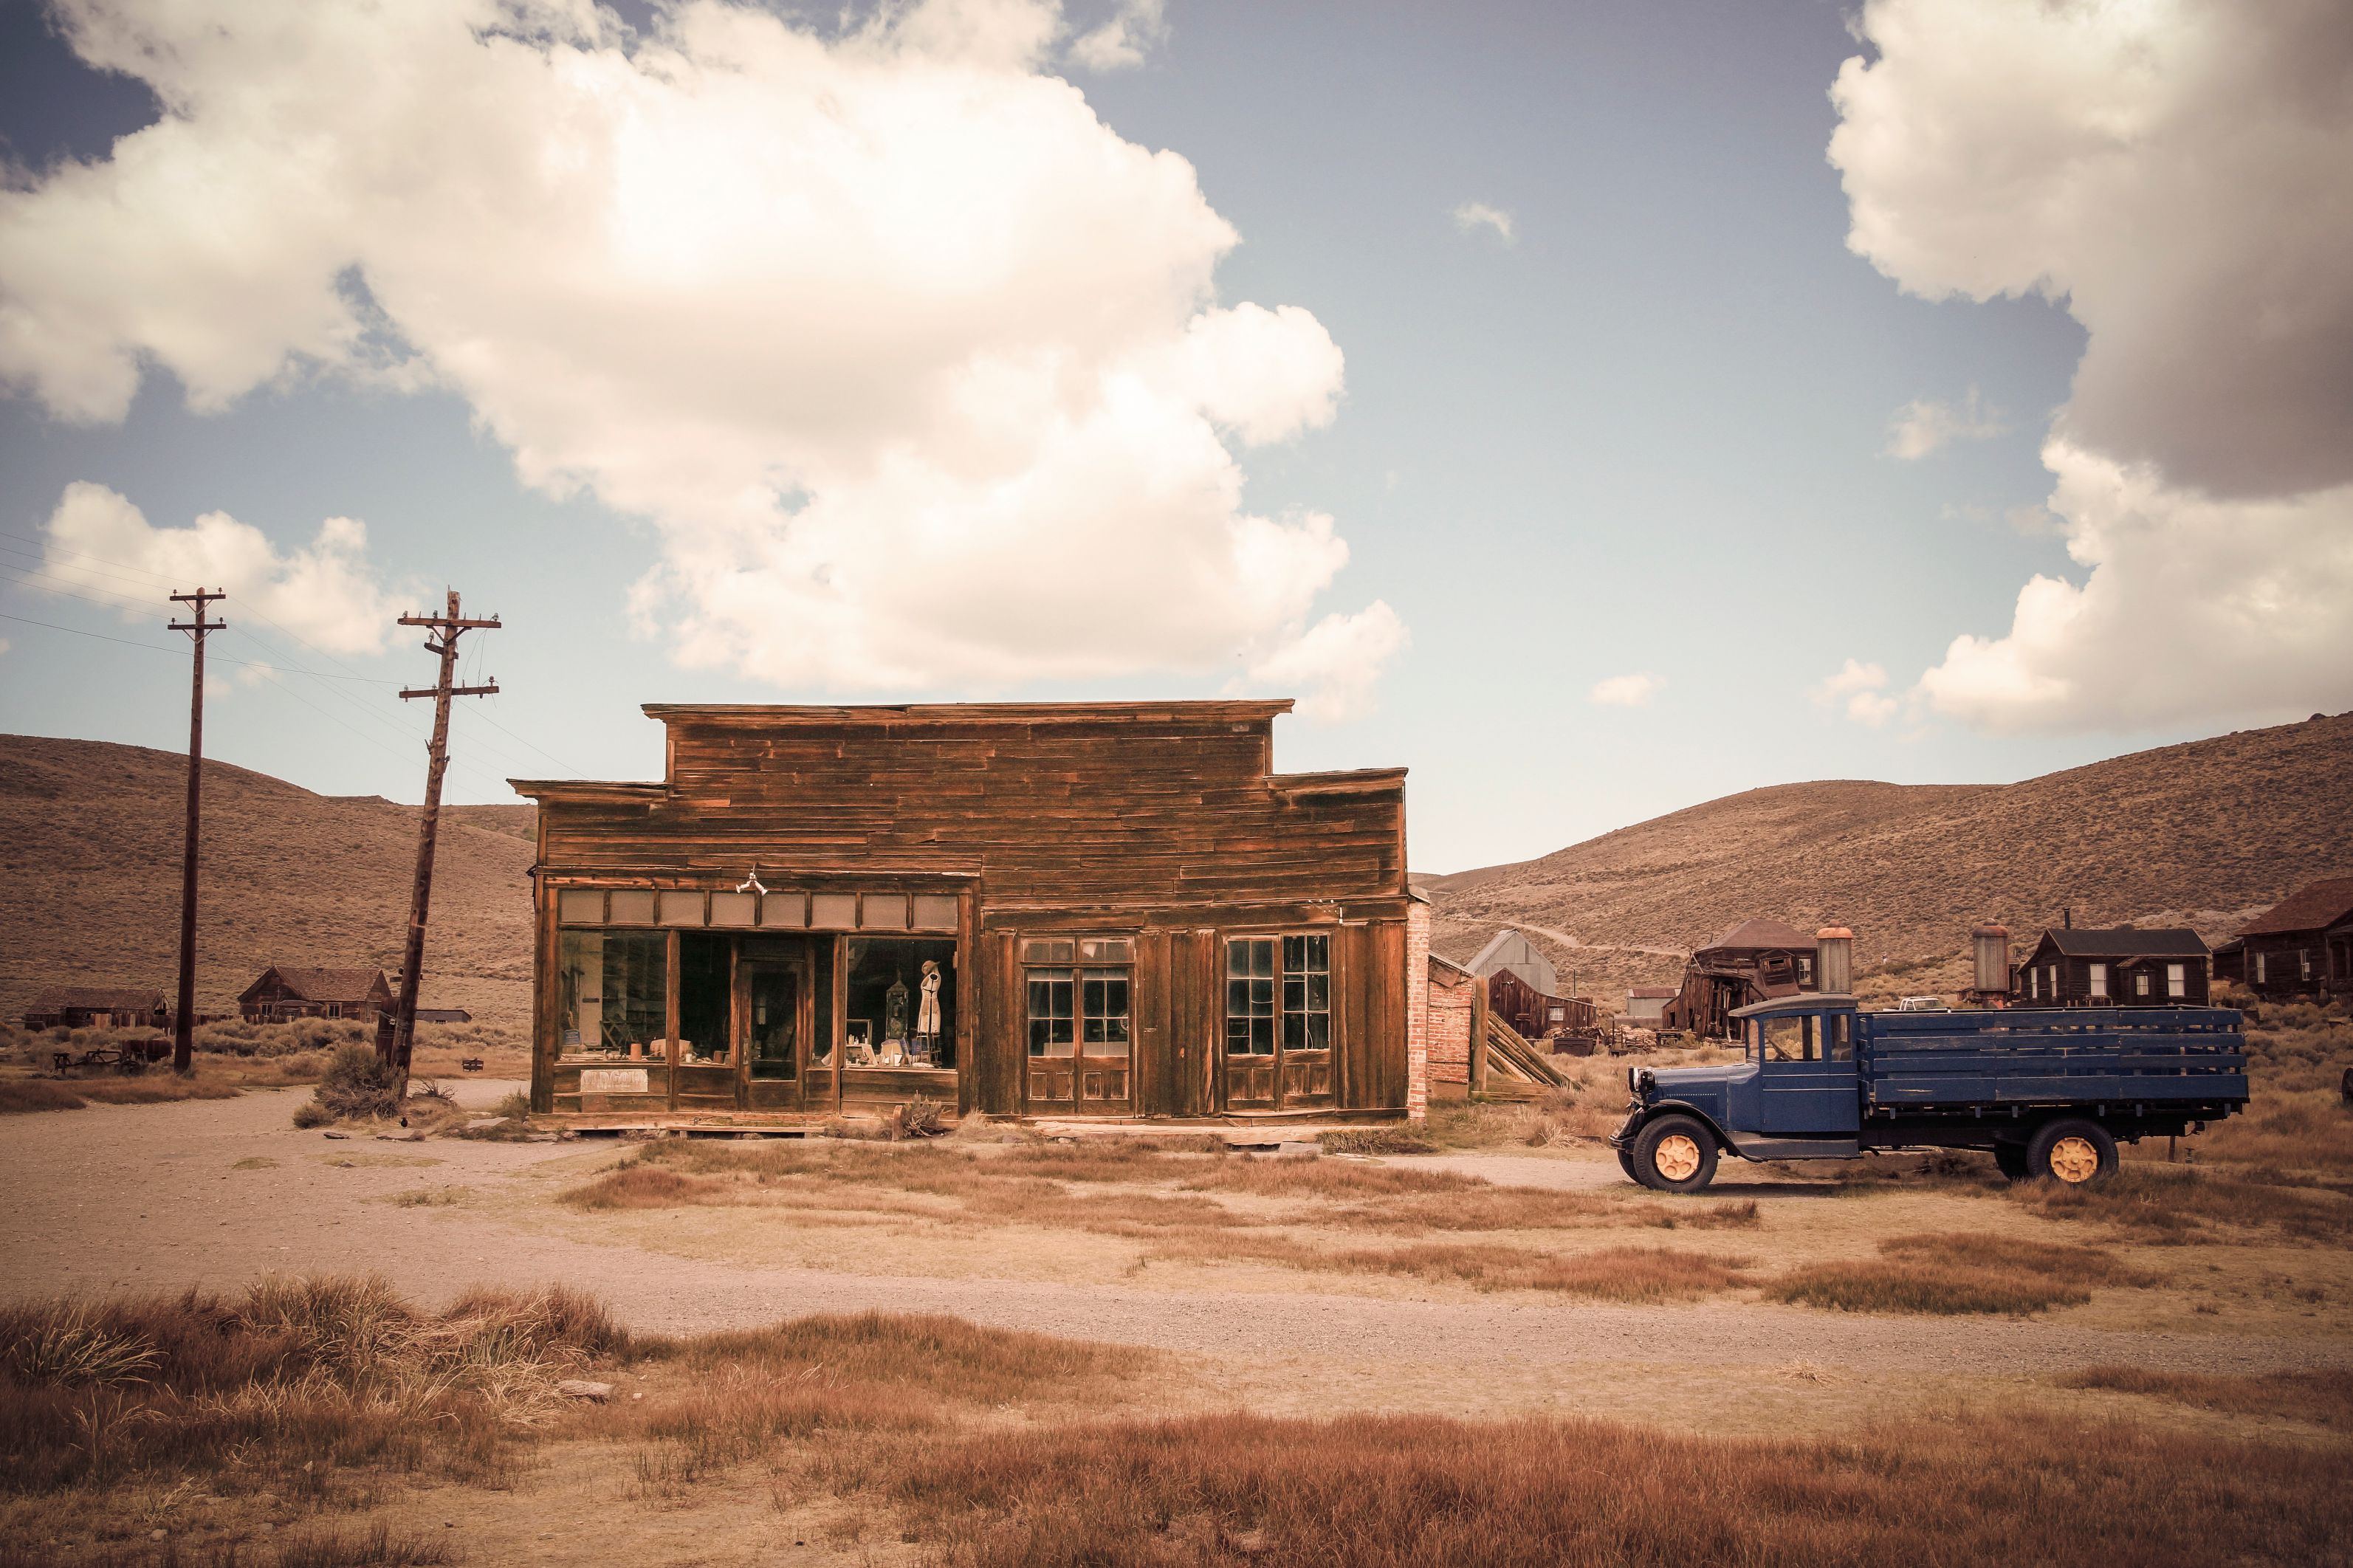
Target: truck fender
x: 1679, y: 1108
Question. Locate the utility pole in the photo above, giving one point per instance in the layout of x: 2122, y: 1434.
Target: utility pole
x: 394, y: 1043
x: 184, y: 1047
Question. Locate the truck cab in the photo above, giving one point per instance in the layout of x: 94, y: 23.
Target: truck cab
x: 2048, y: 1092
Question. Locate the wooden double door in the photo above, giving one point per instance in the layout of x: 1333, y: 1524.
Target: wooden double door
x: 1278, y: 1024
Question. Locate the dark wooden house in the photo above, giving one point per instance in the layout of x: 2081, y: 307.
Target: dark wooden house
x: 1100, y: 909
x: 98, y: 1007
x: 281, y: 992
x: 2120, y: 966
x: 1754, y: 961
x: 2303, y: 945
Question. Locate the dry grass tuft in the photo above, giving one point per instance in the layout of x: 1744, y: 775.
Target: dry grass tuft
x: 2183, y: 1203
x: 378, y: 1547
x: 1613, y: 1273
x: 2324, y: 1398
x: 1421, y: 1492
x: 1958, y: 1274
x: 640, y: 1186
x: 1281, y: 1178
x: 1376, y: 1141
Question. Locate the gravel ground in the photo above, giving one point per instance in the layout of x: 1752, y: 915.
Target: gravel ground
x: 152, y: 1197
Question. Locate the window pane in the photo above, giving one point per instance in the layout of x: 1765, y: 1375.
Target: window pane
x: 1238, y: 958
x: 1262, y: 1037
x: 1319, y: 956
x: 1842, y: 1047
x: 1106, y: 949
x: 1785, y: 1040
x: 1319, y: 993
x: 1319, y: 1031
x: 1294, y: 955
x: 614, y: 993
x: 580, y: 905
x: 1262, y: 958
x: 1294, y: 1031
x: 632, y: 907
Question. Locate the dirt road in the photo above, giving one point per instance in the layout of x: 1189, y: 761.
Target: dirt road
x: 216, y: 1193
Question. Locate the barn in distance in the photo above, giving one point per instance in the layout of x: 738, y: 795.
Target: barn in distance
x: 1050, y: 910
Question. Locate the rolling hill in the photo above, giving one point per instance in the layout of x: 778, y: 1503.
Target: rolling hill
x: 2202, y: 834
x: 90, y: 841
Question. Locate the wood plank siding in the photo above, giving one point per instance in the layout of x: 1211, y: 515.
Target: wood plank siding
x: 1098, y: 858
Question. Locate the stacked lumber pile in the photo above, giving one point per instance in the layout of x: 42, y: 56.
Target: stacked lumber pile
x: 1515, y: 1067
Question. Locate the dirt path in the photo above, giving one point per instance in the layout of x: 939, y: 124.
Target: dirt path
x: 216, y: 1193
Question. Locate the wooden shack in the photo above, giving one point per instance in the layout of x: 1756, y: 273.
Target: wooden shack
x: 1047, y: 909
x: 98, y: 1007
x: 282, y: 992
x: 2303, y: 945
x: 1754, y: 961
x: 2115, y: 966
x: 1513, y: 952
x: 1535, y: 1015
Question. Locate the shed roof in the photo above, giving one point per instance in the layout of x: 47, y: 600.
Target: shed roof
x: 767, y: 715
x: 1759, y: 936
x: 323, y: 985
x: 99, y: 999
x: 2127, y: 942
x: 1652, y: 992
x: 2313, y: 907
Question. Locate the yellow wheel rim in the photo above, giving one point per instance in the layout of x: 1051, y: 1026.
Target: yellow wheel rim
x: 2074, y: 1161
x: 1677, y: 1157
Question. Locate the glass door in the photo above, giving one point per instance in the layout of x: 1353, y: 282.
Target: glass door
x: 775, y: 998
x: 1080, y: 1017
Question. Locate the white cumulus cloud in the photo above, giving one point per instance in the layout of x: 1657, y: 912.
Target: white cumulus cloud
x: 1120, y: 42
x: 916, y: 365
x: 1627, y: 690
x: 1925, y: 425
x: 2173, y: 172
x: 1861, y: 690
x: 1471, y: 216
x: 326, y: 593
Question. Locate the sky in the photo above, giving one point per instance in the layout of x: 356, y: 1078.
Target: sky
x: 1594, y: 409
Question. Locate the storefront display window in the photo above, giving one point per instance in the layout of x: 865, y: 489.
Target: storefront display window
x: 901, y: 1003
x: 615, y: 987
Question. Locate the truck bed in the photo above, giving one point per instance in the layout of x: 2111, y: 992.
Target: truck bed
x: 2049, y: 1056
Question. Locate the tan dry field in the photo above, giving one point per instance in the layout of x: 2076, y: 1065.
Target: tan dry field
x: 1094, y: 1293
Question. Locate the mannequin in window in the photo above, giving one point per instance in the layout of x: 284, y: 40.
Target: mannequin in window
x: 895, y: 1020
x: 927, y: 1014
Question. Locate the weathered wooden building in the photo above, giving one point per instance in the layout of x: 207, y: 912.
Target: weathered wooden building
x: 1753, y: 960
x: 280, y: 993
x: 1646, y: 1006
x: 1452, y: 1010
x: 98, y: 1007
x: 2118, y: 966
x: 1536, y: 1015
x: 2303, y: 945
x: 1100, y: 909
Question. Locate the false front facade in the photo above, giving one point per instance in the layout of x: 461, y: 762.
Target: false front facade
x: 1107, y: 910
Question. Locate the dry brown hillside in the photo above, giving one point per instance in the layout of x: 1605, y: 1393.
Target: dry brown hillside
x: 89, y: 838
x: 2202, y: 834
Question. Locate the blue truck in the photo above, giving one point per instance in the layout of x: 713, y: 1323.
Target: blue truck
x: 2048, y: 1091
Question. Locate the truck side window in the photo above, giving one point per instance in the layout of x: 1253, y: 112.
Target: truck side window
x: 1842, y: 1037
x: 1755, y: 1039
x: 1792, y: 1040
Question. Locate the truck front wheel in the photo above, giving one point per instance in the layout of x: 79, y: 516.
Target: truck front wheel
x: 1674, y: 1155
x: 2072, y: 1152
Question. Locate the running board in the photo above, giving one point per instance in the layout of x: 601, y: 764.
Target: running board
x: 1750, y: 1147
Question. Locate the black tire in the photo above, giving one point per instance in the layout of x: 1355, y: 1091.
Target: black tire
x: 1625, y: 1163
x: 2070, y: 1152
x: 1690, y: 1154
x: 2011, y: 1160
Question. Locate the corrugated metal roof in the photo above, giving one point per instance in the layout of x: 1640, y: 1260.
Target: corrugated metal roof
x: 2313, y: 907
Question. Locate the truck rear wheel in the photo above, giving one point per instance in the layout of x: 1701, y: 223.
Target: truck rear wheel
x: 2072, y: 1153
x: 1674, y: 1155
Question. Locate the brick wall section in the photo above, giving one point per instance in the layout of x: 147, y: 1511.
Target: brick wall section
x: 1417, y: 1011
x: 1449, y: 1025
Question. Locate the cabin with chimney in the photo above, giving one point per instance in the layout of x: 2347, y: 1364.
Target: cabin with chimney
x: 1111, y: 909
x: 282, y: 992
x: 1753, y: 960
x: 2115, y: 966
x: 2303, y: 945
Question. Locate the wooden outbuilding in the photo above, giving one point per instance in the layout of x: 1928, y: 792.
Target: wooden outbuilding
x: 1754, y: 961
x: 281, y: 992
x: 1646, y: 1006
x: 1453, y: 1009
x: 98, y: 1007
x: 1112, y: 910
x: 2303, y: 945
x: 2117, y: 966
x: 1512, y: 953
x: 1535, y: 1015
